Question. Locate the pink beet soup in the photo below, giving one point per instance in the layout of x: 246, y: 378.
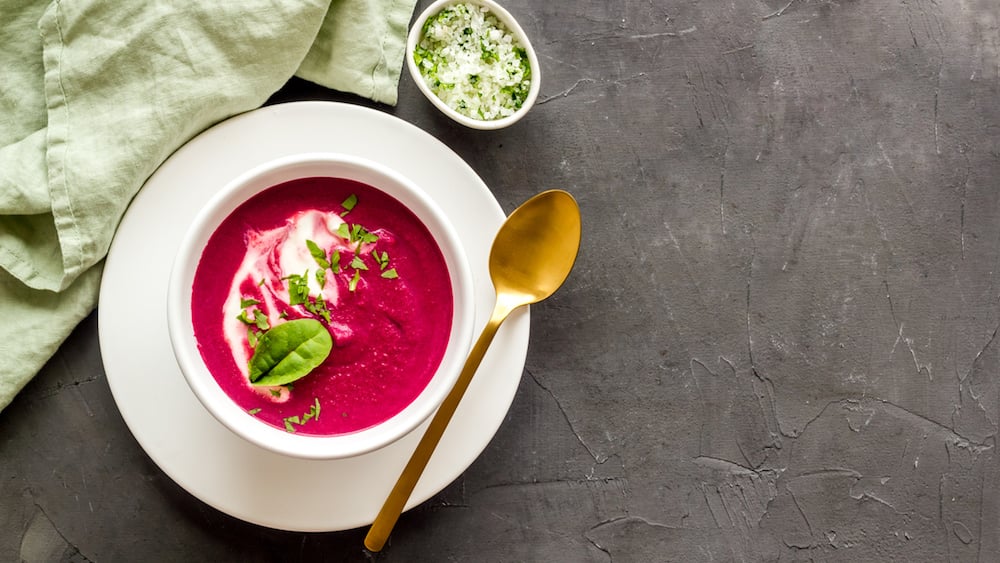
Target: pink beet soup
x: 384, y: 295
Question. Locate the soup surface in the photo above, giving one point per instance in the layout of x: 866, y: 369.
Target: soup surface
x: 352, y: 258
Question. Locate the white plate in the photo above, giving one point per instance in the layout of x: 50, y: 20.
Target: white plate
x: 186, y: 442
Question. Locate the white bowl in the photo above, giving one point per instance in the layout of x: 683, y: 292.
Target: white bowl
x: 415, y: 35
x: 179, y: 313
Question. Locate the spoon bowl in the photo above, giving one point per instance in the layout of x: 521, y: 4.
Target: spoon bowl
x: 532, y: 255
x: 536, y: 247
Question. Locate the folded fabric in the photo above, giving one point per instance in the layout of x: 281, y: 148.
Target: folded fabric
x: 98, y: 93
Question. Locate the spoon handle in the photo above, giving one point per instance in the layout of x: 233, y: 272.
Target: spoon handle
x: 396, y: 501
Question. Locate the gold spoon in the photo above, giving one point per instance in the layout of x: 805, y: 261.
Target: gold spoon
x: 532, y: 254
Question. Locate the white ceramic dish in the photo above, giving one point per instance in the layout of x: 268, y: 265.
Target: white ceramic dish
x: 415, y: 35
x: 234, y: 194
x: 168, y: 421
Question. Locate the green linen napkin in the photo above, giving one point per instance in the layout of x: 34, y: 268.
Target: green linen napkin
x: 96, y: 94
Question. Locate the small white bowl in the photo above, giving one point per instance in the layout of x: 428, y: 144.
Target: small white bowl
x: 415, y: 35
x: 185, y: 346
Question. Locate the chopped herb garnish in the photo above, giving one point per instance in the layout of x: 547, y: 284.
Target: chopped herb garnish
x: 298, y: 289
x: 321, y: 278
x: 381, y: 259
x: 335, y: 261
x: 253, y: 411
x: 318, y: 254
x: 313, y: 414
x: 353, y: 284
x: 348, y: 204
x: 252, y: 337
x: 246, y: 302
x: 260, y: 320
x: 390, y: 274
x: 318, y: 307
x: 344, y: 231
x: 275, y: 392
x: 360, y: 234
x: 358, y: 264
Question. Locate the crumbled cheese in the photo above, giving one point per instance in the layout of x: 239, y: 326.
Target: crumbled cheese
x: 472, y: 62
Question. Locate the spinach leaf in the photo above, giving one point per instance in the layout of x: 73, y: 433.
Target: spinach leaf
x: 289, y: 351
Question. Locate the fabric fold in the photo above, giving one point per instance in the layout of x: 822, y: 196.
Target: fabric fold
x: 102, y: 92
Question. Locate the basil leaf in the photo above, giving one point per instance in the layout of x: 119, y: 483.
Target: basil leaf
x: 289, y: 352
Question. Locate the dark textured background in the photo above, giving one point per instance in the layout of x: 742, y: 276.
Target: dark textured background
x: 779, y: 342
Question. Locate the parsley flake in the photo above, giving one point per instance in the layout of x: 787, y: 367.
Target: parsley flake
x: 260, y: 320
x: 318, y: 254
x: 353, y: 284
x: 298, y: 288
x: 348, y: 204
x: 381, y: 259
x: 335, y: 261
x: 318, y: 307
x: 313, y: 414
x: 358, y: 264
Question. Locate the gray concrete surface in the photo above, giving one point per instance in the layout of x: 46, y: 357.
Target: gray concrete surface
x: 779, y: 342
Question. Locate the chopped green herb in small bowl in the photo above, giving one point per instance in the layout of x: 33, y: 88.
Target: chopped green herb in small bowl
x: 473, y: 61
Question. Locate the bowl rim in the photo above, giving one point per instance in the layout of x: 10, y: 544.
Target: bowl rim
x: 413, y: 37
x: 200, y: 379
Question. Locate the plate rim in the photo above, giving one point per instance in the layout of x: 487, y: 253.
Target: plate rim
x: 514, y: 339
